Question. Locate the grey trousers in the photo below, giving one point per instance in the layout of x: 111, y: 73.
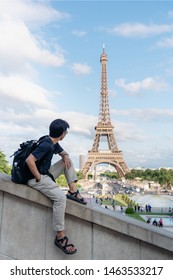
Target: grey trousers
x: 50, y: 189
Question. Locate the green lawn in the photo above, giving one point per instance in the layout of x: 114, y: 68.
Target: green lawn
x: 117, y: 201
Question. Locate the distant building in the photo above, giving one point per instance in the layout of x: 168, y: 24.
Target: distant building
x: 81, y: 161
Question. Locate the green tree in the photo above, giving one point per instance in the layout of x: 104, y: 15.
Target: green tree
x: 80, y: 175
x: 90, y: 176
x: 111, y: 175
x: 4, y: 167
x: 61, y: 181
x: 165, y: 178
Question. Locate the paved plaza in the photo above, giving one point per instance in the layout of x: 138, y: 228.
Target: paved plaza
x: 162, y: 201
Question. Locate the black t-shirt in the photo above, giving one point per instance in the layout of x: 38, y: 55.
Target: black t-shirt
x: 44, y: 153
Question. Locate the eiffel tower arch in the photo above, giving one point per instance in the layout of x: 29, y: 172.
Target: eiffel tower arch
x: 104, y: 128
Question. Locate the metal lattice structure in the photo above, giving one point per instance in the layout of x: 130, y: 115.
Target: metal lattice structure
x: 104, y: 128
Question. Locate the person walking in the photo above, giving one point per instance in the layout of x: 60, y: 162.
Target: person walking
x: 42, y: 178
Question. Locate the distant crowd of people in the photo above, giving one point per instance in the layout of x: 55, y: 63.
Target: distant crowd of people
x: 139, y: 208
x: 155, y: 222
x: 148, y: 208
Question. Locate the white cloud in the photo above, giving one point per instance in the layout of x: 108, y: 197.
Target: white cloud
x: 26, y: 107
x: 148, y: 83
x: 79, y: 33
x: 165, y: 43
x: 147, y: 114
x: 18, y: 89
x: 80, y: 123
x: 19, y: 44
x: 30, y: 11
x: 139, y: 29
x: 81, y: 69
x: 128, y: 131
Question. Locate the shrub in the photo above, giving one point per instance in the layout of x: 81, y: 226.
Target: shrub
x: 129, y: 210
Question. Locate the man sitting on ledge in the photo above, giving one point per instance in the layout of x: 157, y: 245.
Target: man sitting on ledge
x: 40, y: 178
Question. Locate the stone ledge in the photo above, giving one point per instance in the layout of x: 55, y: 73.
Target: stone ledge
x: 23, y: 191
x: 99, y: 216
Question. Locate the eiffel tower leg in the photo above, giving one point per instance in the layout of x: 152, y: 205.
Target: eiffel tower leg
x: 87, y: 166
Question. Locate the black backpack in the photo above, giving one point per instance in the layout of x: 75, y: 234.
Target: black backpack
x: 20, y: 170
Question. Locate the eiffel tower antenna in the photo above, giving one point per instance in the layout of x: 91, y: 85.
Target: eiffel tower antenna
x: 103, y: 47
x: 104, y: 128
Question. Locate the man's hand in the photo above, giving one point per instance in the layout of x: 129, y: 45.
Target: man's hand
x: 30, y: 161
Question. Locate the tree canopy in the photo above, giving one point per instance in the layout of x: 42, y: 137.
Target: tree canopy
x: 4, y: 167
x: 162, y: 176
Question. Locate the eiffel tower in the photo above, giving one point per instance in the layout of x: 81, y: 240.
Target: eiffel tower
x: 104, y: 128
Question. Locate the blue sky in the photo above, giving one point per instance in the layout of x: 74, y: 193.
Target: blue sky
x: 50, y: 68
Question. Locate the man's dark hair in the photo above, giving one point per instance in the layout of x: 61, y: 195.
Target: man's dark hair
x: 57, y: 127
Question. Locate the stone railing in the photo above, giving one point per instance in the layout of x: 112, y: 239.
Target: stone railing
x: 26, y: 230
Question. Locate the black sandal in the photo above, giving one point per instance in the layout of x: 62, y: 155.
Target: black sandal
x: 73, y: 196
x: 59, y: 244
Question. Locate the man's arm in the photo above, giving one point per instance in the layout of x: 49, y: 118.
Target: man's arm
x: 33, y: 168
x: 66, y: 159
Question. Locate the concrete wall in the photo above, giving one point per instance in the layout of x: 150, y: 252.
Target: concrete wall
x: 26, y: 230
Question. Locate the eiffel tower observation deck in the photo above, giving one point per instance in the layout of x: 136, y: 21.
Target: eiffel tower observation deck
x: 104, y: 129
